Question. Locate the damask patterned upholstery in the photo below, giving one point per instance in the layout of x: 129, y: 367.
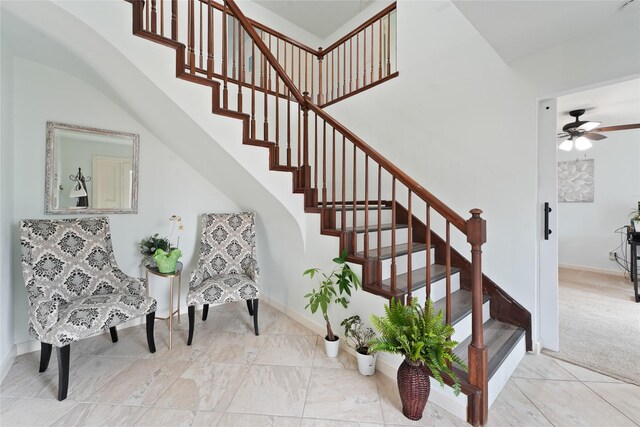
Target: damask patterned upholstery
x: 227, y: 269
x: 74, y: 286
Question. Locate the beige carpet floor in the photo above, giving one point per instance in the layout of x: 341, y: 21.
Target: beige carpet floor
x: 599, y: 324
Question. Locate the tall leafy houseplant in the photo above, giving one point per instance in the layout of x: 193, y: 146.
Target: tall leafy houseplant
x: 423, y: 339
x: 334, y: 287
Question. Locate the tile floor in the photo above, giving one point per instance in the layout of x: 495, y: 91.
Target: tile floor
x: 229, y: 377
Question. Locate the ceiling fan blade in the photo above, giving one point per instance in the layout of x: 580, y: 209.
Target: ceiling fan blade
x: 594, y: 136
x: 563, y: 135
x: 619, y: 127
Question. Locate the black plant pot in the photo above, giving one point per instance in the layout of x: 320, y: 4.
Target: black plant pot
x: 414, y: 386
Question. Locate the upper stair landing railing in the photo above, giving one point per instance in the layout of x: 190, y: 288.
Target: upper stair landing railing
x: 361, y: 59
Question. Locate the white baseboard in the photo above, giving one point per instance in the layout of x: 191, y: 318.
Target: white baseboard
x: 7, y: 363
x: 591, y: 269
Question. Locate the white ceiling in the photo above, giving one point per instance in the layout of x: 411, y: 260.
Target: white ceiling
x: 616, y: 104
x: 319, y: 17
x: 517, y: 28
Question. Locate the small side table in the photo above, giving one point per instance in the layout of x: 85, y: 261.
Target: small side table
x: 178, y: 273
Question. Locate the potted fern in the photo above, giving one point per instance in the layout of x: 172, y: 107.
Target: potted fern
x: 423, y: 339
x: 358, y: 336
x: 344, y: 279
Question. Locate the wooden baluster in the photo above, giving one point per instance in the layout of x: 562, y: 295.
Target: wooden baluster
x: 288, y: 125
x: 350, y: 64
x: 338, y: 73
x: 154, y: 17
x: 393, y: 234
x: 355, y: 211
x: 225, y: 59
x: 320, y: 93
x: 200, y: 63
x: 333, y: 65
x: 364, y: 57
x: 241, y: 65
x: 447, y: 264
x: 380, y: 53
x: 389, y: 43
x: 269, y: 68
x: 372, y: 51
x: 162, y: 18
x: 210, y: 16
x: 299, y: 86
x: 478, y: 355
x: 252, y: 63
x: 333, y: 175
x: 343, y: 219
x: 409, y: 247
x: 315, y: 157
x: 277, y: 119
x: 233, y: 48
x: 379, y: 231
x: 428, y: 242
x: 265, y: 94
x: 300, y: 139
x: 344, y: 69
x: 324, y: 163
x: 366, y: 205
x: 191, y: 41
x: 313, y: 83
x: 147, y: 9
x: 174, y: 19
x: 306, y: 76
x: 357, y: 61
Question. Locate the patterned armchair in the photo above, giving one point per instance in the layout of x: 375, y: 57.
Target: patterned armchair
x: 75, y: 288
x: 227, y: 270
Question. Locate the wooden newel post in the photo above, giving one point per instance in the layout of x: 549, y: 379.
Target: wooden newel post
x: 320, y: 97
x: 478, y: 356
x: 138, y: 15
x: 305, y: 172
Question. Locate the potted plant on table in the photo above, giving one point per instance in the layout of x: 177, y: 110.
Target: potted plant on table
x: 158, y: 251
x: 635, y: 218
x: 358, y: 336
x: 345, y: 279
x: 424, y: 340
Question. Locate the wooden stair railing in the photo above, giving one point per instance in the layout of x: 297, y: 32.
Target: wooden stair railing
x: 342, y: 178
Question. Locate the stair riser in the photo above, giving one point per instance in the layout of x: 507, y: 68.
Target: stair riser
x: 385, y: 216
x: 402, y: 236
x: 439, y: 289
x: 418, y: 260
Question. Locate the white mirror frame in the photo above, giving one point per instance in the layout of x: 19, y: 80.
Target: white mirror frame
x: 50, y: 180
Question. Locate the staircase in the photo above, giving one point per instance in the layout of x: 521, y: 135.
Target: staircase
x: 401, y: 235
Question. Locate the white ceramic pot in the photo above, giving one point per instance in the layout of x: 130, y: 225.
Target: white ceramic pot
x: 366, y: 363
x: 331, y: 348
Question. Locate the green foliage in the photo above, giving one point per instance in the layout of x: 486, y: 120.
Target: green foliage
x: 356, y: 334
x: 343, y: 277
x: 420, y: 336
x: 150, y: 245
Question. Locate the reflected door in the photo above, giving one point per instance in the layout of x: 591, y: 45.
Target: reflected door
x: 112, y: 182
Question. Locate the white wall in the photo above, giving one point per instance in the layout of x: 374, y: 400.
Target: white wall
x: 42, y: 94
x: 586, y: 230
x: 6, y: 206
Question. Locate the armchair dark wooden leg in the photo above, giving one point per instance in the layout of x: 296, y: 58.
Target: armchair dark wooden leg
x: 205, y: 311
x: 250, y: 307
x: 192, y: 320
x: 45, y: 355
x: 63, y: 370
x: 114, y: 334
x: 255, y: 316
x: 151, y: 317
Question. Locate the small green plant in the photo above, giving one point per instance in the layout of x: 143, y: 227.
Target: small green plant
x: 150, y: 245
x: 343, y: 277
x: 635, y: 213
x: 420, y: 336
x: 356, y: 334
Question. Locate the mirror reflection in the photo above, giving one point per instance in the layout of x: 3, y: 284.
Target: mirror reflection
x: 91, y: 170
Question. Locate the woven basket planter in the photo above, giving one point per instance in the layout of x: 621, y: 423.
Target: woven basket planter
x: 414, y: 386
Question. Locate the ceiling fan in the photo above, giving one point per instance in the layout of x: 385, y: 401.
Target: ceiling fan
x: 581, y: 133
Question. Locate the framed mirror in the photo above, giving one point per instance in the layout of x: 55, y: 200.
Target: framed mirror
x: 90, y: 171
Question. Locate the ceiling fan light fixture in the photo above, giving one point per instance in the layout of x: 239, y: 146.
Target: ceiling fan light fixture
x: 566, y: 145
x: 583, y: 143
x: 587, y: 126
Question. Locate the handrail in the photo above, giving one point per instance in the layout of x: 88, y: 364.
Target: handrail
x: 265, y: 28
x: 248, y: 27
x: 364, y: 25
x: 444, y: 210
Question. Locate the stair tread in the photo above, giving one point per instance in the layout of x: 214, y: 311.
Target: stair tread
x: 401, y: 249
x: 460, y: 304
x: 499, y: 339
